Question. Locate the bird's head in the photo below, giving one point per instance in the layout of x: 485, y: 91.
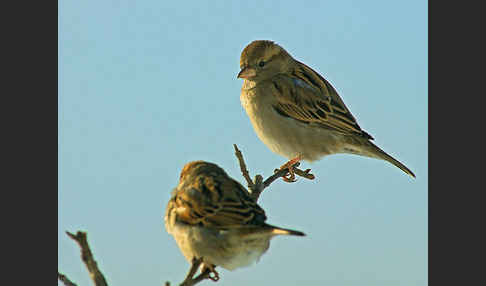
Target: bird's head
x: 262, y: 59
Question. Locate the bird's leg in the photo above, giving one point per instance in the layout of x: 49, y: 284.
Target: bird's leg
x: 196, y: 262
x: 291, y: 165
x: 207, y: 272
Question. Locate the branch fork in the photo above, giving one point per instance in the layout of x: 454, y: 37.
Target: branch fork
x: 256, y: 186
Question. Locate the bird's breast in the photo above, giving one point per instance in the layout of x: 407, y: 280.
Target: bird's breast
x: 246, y: 254
x: 284, y: 135
x: 221, y: 248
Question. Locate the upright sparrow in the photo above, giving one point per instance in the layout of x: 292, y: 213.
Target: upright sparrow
x: 296, y: 112
x: 212, y: 217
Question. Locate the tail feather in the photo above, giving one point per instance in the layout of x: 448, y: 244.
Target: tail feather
x: 265, y: 229
x: 376, y: 152
x: 285, y: 231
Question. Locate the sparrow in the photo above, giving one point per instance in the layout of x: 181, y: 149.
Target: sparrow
x: 296, y: 112
x: 212, y: 217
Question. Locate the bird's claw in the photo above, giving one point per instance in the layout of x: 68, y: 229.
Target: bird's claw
x: 213, y: 275
x: 290, y: 178
x: 290, y: 165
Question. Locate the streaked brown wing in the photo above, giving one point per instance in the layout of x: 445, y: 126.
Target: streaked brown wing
x: 217, y: 201
x: 309, y: 98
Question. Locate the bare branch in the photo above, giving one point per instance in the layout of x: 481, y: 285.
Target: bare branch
x: 257, y: 186
x: 98, y: 278
x: 88, y: 259
x: 64, y: 279
x: 243, y: 168
x: 255, y: 193
x: 277, y: 174
x: 304, y: 174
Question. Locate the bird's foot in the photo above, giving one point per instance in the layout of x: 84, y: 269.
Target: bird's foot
x: 211, y: 272
x: 290, y: 165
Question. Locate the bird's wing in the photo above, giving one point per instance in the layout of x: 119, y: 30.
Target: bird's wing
x: 307, y: 97
x: 216, y: 201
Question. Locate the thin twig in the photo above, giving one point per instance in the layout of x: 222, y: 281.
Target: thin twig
x: 304, y: 174
x: 98, y: 278
x: 63, y: 278
x: 258, y: 189
x: 261, y: 185
x: 243, y: 168
x: 88, y: 259
x: 277, y: 174
x: 257, y: 186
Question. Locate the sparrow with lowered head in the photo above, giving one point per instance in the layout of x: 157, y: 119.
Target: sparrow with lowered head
x: 296, y: 112
x: 211, y: 216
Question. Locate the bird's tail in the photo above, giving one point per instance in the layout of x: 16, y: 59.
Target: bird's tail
x: 371, y: 150
x: 265, y: 229
x: 284, y: 231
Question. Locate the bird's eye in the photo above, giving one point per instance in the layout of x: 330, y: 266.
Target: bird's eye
x: 261, y: 64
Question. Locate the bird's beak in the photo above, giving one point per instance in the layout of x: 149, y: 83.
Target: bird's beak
x: 246, y: 72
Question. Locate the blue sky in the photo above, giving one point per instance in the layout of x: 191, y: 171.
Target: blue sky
x: 147, y: 86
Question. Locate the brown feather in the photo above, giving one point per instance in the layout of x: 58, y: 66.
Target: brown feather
x: 212, y: 198
x: 317, y: 101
